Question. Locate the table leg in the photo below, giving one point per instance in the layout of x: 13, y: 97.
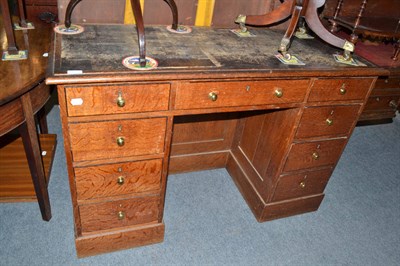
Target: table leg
x: 32, y: 149
x: 41, y: 115
x: 8, y: 26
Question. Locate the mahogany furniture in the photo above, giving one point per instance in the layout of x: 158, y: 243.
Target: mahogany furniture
x: 296, y: 9
x: 137, y: 12
x: 41, y: 10
x: 22, y: 97
x: 279, y: 130
x: 384, y: 27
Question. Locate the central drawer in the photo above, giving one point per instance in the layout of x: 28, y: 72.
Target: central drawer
x: 229, y: 94
x: 115, y: 139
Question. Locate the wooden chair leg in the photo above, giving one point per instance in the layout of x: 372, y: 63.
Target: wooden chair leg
x: 70, y: 8
x: 316, y: 26
x: 280, y: 13
x: 21, y: 10
x: 174, y: 10
x: 8, y: 26
x: 137, y: 12
x: 30, y: 140
x: 285, y: 42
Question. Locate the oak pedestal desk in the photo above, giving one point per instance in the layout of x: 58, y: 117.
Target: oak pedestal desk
x: 215, y: 100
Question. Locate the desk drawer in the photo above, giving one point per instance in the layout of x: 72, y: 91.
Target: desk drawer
x: 327, y: 121
x: 229, y: 94
x: 105, y: 140
x: 119, y: 213
x: 382, y: 103
x: 300, y: 185
x: 314, y: 154
x: 116, y: 99
x: 118, y: 179
x: 340, y: 89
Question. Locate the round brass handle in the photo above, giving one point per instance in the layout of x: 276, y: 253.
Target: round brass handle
x: 120, y: 101
x: 279, y: 93
x: 303, y: 184
x: 343, y: 90
x: 393, y: 104
x: 121, y: 180
x: 121, y: 215
x: 329, y: 122
x: 315, y: 156
x: 213, y: 96
x: 120, y: 141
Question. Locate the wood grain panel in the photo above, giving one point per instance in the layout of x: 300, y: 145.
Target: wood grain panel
x: 102, y: 181
x: 330, y: 89
x: 262, y: 158
x: 202, y: 133
x: 197, y: 162
x: 142, y: 136
x: 102, y: 216
x: 95, y: 100
x: 327, y: 121
x: 301, y: 154
x: 197, y: 95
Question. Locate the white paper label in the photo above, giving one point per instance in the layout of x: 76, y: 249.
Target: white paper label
x: 77, y: 101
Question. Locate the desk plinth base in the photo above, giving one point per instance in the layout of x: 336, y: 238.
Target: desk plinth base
x: 98, y: 243
x: 273, y: 210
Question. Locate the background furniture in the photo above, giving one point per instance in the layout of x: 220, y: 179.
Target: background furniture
x: 278, y: 130
x: 376, y: 45
x: 42, y: 10
x: 22, y: 97
x: 382, y: 22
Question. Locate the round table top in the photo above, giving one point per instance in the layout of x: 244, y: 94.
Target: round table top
x: 18, y: 77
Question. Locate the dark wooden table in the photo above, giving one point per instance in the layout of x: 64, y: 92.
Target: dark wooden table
x: 23, y: 94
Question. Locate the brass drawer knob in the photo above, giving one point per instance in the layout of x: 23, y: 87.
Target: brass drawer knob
x: 213, y: 96
x: 329, y: 122
x: 120, y: 100
x: 121, y: 215
x: 393, y: 104
x: 315, y: 156
x: 120, y: 141
x: 303, y: 184
x: 121, y: 180
x: 343, y: 90
x: 278, y: 93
